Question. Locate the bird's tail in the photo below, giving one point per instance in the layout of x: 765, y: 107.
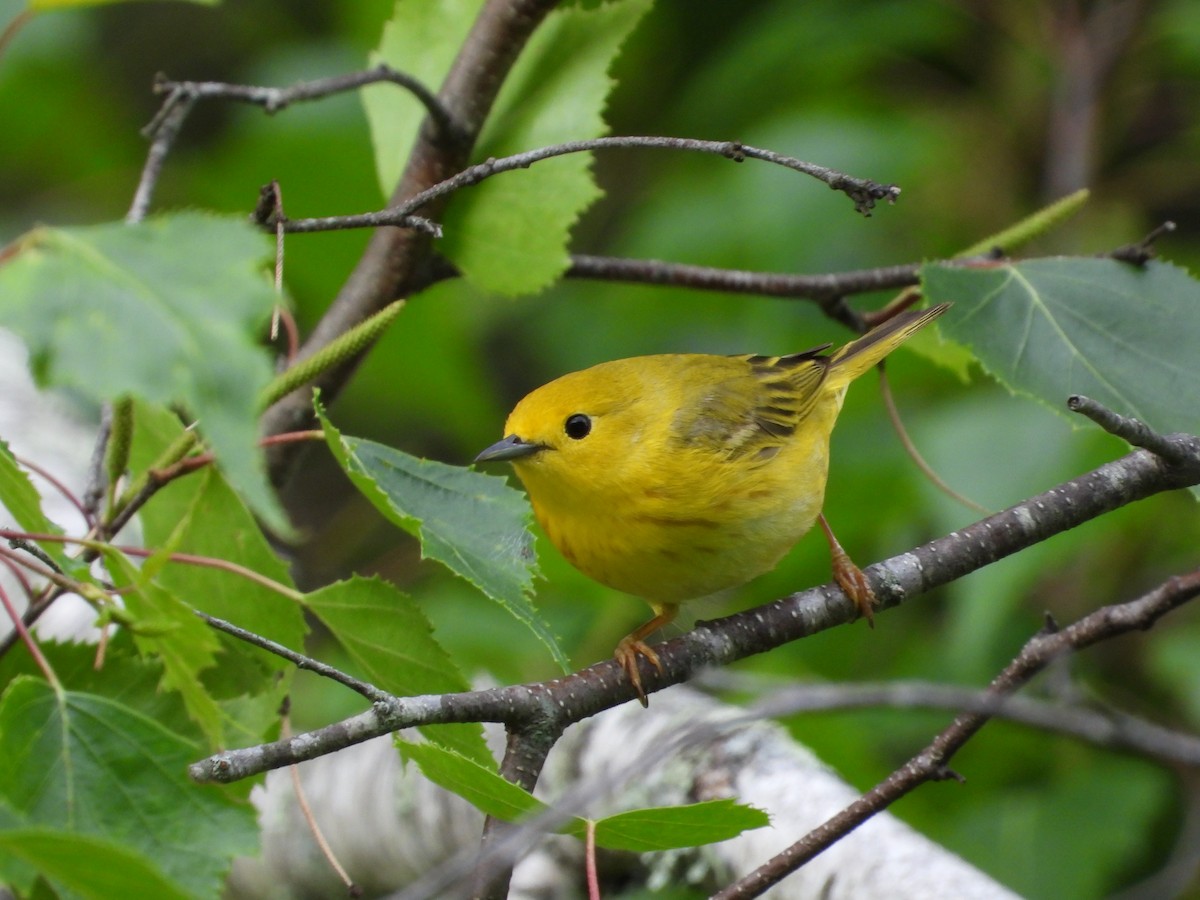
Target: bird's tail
x: 857, y: 357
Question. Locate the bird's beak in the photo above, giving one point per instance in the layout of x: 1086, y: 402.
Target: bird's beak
x: 511, y: 447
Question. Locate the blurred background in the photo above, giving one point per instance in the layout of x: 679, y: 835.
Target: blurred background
x: 981, y: 112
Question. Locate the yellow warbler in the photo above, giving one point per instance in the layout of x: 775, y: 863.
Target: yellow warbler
x: 676, y: 476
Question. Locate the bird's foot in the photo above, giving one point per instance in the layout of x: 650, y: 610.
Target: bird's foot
x: 628, y: 650
x: 854, y: 584
x: 850, y: 578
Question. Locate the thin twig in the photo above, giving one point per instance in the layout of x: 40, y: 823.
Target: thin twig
x: 18, y: 573
x: 165, y: 129
x: 42, y: 568
x: 292, y: 330
x: 66, y: 493
x: 97, y: 481
x: 181, y: 96
x: 889, y: 403
x: 863, y: 192
x: 208, y: 562
x: 352, y: 889
x: 20, y: 542
x: 1095, y: 723
x: 274, y: 99
x: 1143, y: 251
x: 822, y: 288
x: 1133, y: 431
x: 56, y: 585
x: 137, y: 494
x: 271, y: 198
x: 932, y: 763
x: 28, y: 640
x: 299, y: 660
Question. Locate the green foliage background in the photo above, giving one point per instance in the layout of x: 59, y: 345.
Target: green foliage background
x: 950, y: 101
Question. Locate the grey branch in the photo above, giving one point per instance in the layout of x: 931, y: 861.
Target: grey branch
x: 299, y: 660
x: 551, y: 706
x: 274, y: 99
x: 1133, y: 431
x: 932, y: 763
x: 862, y: 191
x: 181, y: 96
x: 1095, y: 723
x: 414, y: 841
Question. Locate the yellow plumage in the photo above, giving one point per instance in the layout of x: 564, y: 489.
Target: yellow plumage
x: 675, y: 476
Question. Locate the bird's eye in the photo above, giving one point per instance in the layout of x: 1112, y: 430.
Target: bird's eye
x: 578, y: 426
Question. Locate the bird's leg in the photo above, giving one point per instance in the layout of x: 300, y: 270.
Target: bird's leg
x: 630, y: 647
x: 850, y: 578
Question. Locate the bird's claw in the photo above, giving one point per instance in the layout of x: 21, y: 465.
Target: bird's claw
x: 626, y: 655
x: 849, y: 577
x: 853, y: 582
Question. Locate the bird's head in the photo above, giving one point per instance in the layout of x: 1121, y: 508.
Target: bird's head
x: 575, y: 435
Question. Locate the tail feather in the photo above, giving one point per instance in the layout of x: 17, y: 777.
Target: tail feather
x: 858, y: 356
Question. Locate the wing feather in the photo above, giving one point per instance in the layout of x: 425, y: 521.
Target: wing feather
x: 753, y: 411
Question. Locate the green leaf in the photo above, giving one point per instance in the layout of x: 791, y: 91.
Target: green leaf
x: 421, y: 39
x: 641, y: 830
x: 674, y: 827
x: 24, y: 504
x: 479, y: 785
x: 125, y: 678
x: 167, y: 310
x: 15, y: 874
x: 89, y: 867
x: 20, y: 497
x: 474, y: 524
x: 165, y: 628
x: 510, y: 234
x: 1122, y: 335
x: 392, y: 642
x: 201, y: 515
x: 84, y: 764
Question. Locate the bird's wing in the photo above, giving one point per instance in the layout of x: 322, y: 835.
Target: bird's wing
x: 753, y: 410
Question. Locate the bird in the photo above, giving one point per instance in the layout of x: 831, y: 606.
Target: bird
x: 675, y: 476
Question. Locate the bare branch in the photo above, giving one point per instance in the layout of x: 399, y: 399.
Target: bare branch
x: 1094, y: 722
x: 823, y: 288
x: 97, y: 480
x: 553, y: 705
x: 863, y: 192
x: 826, y: 290
x: 932, y: 763
x: 1141, y: 252
x: 274, y: 99
x: 182, y: 96
x: 165, y: 129
x: 299, y: 660
x: 1133, y: 431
